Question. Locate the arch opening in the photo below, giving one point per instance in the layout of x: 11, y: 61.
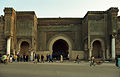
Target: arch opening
x: 24, y: 49
x: 60, y: 47
x: 97, y: 51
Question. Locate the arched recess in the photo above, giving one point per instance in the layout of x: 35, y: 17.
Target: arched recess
x: 60, y: 47
x: 24, y: 43
x: 24, y: 49
x: 60, y: 37
x: 97, y: 48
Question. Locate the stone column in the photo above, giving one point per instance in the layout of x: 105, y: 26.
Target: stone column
x: 107, y: 54
x: 103, y: 51
x: 90, y: 53
x: 8, y: 45
x: 113, y: 47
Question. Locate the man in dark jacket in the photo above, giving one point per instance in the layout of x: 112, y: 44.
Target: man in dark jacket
x: 42, y: 58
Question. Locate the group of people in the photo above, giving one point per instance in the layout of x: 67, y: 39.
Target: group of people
x: 92, y: 60
x: 13, y: 58
x: 37, y: 58
x: 4, y: 58
x: 40, y: 58
x: 117, y: 61
x: 25, y: 58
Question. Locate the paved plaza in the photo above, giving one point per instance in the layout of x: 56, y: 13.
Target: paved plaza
x: 67, y: 69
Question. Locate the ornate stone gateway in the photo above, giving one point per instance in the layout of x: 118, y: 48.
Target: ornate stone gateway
x: 24, y: 49
x: 22, y: 32
x: 60, y: 47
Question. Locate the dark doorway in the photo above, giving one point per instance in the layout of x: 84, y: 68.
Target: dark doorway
x: 60, y: 47
x: 24, y: 50
x: 97, y: 50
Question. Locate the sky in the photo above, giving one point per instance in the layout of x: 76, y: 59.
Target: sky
x: 59, y: 8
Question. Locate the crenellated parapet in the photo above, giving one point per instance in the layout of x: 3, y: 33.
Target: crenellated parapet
x: 113, y: 10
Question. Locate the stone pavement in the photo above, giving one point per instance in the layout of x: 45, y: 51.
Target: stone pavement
x: 57, y: 69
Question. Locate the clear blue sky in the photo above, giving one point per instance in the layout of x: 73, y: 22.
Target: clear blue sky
x: 59, y: 8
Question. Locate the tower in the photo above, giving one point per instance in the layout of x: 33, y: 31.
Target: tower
x: 10, y: 29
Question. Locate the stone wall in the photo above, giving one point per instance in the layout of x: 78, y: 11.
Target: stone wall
x: 2, y: 37
x: 118, y: 37
x: 24, y: 24
x: 75, y: 53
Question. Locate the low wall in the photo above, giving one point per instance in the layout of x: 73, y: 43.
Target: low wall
x: 75, y: 53
x: 44, y: 53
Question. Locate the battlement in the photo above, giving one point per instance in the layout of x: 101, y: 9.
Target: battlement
x: 8, y: 10
x: 113, y: 9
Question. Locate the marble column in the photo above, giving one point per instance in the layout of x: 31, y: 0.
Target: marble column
x: 113, y: 47
x: 8, y: 45
x: 90, y: 53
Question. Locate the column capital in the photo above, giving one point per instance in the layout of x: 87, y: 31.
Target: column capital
x: 114, y: 35
x: 9, y: 37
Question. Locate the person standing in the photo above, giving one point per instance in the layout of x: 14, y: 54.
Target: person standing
x: 42, y: 58
x: 16, y: 58
x: 24, y: 58
x: 50, y: 58
x: 61, y: 58
x: 38, y: 58
x: 77, y: 59
x: 116, y: 61
x: 10, y: 58
x: 13, y: 58
x: 35, y: 59
x: 27, y: 58
x: 92, y: 61
x: 21, y: 58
